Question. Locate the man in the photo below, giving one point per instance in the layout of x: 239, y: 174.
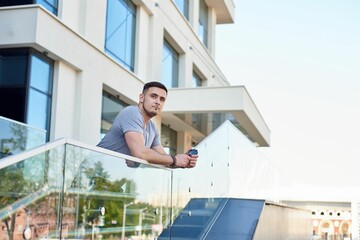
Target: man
x: 133, y: 133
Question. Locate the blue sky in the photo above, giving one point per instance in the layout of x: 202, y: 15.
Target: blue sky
x: 300, y: 62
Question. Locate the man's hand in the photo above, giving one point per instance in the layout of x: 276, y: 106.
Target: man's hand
x: 186, y: 161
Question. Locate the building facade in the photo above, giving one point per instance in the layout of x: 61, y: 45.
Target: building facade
x: 70, y: 66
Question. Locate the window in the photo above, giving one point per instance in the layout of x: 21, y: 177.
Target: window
x: 168, y: 139
x: 51, y: 5
x: 203, y: 23
x: 111, y: 106
x: 170, y: 66
x: 39, y: 92
x: 26, y: 78
x: 120, y: 32
x: 183, y: 6
x: 196, y: 80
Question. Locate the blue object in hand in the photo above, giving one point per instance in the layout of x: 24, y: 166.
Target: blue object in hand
x: 192, y: 152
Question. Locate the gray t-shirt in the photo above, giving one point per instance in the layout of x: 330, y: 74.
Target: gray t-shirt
x: 129, y: 120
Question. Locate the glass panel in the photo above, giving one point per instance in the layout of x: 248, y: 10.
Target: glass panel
x: 136, y: 200
x: 13, y: 103
x: 13, y: 67
x: 111, y: 106
x: 183, y: 6
x: 40, y: 74
x: 196, y: 80
x: 4, y: 3
x: 170, y: 66
x: 30, y: 196
x: 50, y: 5
x: 195, y: 219
x: 203, y: 23
x: 13, y: 81
x: 76, y: 193
x: 39, y: 95
x: 38, y: 109
x: 16, y: 137
x: 120, y: 31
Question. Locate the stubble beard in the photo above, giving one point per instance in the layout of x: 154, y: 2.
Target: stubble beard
x: 148, y: 113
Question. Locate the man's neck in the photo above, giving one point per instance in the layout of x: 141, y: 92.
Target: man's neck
x: 143, y: 114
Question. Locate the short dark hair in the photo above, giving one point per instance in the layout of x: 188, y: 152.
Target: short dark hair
x: 154, y: 84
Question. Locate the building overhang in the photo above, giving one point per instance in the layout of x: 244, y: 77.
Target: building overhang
x: 229, y: 99
x: 225, y: 10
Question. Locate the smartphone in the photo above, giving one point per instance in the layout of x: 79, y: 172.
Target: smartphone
x: 192, y: 151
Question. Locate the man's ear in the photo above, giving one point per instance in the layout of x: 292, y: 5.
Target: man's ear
x: 141, y: 98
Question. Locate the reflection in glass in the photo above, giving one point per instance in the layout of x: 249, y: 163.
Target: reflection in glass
x: 203, y: 23
x: 170, y: 66
x: 51, y: 5
x: 73, y: 192
x: 16, y: 137
x: 183, y: 6
x: 196, y: 80
x: 111, y: 106
x: 120, y: 31
x: 39, y: 101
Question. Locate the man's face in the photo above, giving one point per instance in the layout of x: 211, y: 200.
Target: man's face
x: 153, y: 101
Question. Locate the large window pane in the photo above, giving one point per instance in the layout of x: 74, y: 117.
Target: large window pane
x: 13, y: 80
x: 40, y: 74
x: 111, y: 106
x: 38, y: 109
x: 203, y: 23
x: 196, y: 80
x: 26, y: 86
x: 13, y: 67
x: 183, y: 6
x: 39, y: 99
x: 170, y: 66
x: 120, y: 31
x: 51, y: 5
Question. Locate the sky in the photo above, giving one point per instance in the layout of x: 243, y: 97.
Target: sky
x: 300, y: 62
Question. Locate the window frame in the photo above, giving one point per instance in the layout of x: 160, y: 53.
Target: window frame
x: 131, y: 9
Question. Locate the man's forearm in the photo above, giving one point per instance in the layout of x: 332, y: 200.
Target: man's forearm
x: 155, y: 157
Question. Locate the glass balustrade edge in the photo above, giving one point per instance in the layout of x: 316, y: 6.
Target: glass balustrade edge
x: 47, y: 146
x: 7, y: 161
x: 22, y: 124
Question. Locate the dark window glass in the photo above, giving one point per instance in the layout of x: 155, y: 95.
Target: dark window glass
x: 26, y: 87
x: 12, y: 102
x: 170, y: 66
x: 120, y: 31
x: 51, y: 5
x: 183, y: 6
x: 4, y: 3
x: 111, y: 106
x: 13, y: 79
x: 13, y: 67
x: 39, y: 100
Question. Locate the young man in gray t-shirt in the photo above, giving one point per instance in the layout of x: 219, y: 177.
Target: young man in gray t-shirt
x: 133, y: 133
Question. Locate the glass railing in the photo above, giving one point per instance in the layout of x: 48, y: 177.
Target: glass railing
x: 67, y: 190
x: 16, y: 137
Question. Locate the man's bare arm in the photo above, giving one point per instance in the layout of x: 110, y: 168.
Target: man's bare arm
x: 135, y: 142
